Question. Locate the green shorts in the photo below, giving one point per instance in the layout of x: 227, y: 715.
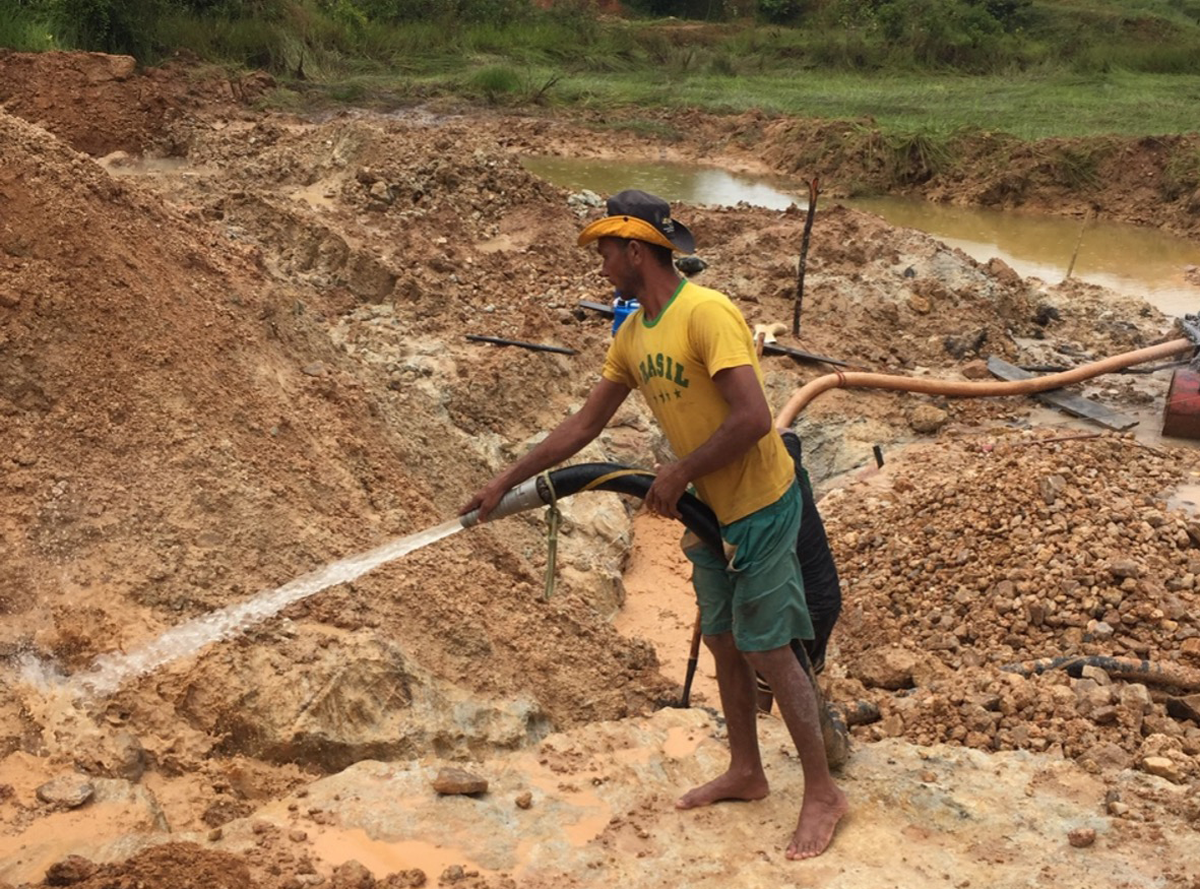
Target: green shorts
x: 759, y: 594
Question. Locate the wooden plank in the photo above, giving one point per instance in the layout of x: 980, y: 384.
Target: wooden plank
x: 1075, y: 405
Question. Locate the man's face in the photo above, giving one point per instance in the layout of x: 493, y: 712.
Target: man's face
x: 619, y: 264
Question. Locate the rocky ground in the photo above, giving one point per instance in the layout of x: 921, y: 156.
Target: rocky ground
x: 244, y: 358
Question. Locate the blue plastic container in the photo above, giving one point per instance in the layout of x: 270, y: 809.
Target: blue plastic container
x: 622, y: 309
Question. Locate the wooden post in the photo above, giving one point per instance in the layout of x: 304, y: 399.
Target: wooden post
x: 1079, y: 243
x: 813, y: 191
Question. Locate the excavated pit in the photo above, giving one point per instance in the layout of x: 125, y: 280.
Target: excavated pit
x: 220, y: 374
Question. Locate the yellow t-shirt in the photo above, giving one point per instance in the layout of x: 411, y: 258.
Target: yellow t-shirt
x: 673, y: 360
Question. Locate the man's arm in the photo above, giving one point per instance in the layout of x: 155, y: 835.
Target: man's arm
x: 749, y: 420
x: 565, y: 440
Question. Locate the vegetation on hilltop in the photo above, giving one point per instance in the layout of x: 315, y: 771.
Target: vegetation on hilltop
x: 1118, y: 65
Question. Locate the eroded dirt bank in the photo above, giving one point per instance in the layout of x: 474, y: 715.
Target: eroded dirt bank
x: 221, y: 373
x: 101, y: 104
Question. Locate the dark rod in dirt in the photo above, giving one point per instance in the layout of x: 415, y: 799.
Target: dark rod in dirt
x: 537, y: 347
x: 813, y: 191
x: 693, y: 659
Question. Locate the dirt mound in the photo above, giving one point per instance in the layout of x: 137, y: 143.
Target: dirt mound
x: 185, y: 432
x: 169, y: 866
x: 100, y: 103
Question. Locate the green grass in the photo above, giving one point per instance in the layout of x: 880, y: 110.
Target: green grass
x: 1030, y: 106
x: 26, y: 31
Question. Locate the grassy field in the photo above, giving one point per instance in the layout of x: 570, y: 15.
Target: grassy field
x: 1026, y: 105
x: 1029, y: 68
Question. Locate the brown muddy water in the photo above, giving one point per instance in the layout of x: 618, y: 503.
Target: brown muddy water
x: 1130, y: 259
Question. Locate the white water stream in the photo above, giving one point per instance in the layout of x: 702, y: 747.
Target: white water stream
x: 110, y: 671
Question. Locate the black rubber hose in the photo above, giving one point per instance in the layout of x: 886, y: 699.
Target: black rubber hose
x: 1144, y: 672
x: 545, y: 489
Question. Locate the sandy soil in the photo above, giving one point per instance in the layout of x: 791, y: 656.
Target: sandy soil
x: 232, y: 351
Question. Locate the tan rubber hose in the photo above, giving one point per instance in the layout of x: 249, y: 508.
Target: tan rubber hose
x: 859, y: 380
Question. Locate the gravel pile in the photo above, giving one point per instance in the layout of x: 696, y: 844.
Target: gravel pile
x: 981, y: 554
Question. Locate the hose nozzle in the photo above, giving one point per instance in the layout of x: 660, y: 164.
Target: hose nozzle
x: 527, y: 495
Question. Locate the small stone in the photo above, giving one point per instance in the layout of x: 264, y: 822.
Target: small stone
x: 1191, y: 648
x: 1163, y: 768
x: 215, y: 834
x: 1135, y: 698
x: 976, y: 370
x: 920, y: 304
x: 1106, y: 756
x: 524, y: 800
x: 1185, y: 708
x: 68, y: 791
x: 72, y: 869
x: 316, y: 369
x: 411, y: 879
x: 453, y: 874
x: 889, y: 667
x: 458, y: 781
x: 297, y: 836
x: 380, y: 191
x: 351, y: 875
x: 1050, y: 486
x: 927, y: 418
x: 1081, y: 837
x: 1099, y: 630
x: 1125, y: 568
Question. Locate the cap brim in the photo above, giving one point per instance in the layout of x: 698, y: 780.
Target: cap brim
x: 637, y: 229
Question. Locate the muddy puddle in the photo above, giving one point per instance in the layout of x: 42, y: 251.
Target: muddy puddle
x: 1131, y: 259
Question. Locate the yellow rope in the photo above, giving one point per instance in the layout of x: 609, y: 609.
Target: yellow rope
x: 553, y: 519
x: 598, y: 481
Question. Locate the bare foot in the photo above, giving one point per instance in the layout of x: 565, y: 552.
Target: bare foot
x: 819, y: 818
x: 728, y: 786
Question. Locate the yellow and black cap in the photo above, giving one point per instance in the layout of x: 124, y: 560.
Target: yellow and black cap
x: 642, y: 217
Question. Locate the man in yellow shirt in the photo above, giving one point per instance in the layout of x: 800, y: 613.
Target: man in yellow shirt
x: 690, y: 352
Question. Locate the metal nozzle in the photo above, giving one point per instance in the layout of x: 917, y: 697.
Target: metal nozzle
x: 526, y: 495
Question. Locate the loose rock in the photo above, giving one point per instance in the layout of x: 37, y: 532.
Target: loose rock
x: 452, y: 780
x: 67, y: 792
x: 1082, y: 837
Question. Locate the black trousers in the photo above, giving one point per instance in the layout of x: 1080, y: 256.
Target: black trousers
x: 822, y: 589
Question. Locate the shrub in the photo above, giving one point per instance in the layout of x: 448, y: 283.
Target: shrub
x: 116, y: 26
x: 495, y: 82
x: 26, y: 29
